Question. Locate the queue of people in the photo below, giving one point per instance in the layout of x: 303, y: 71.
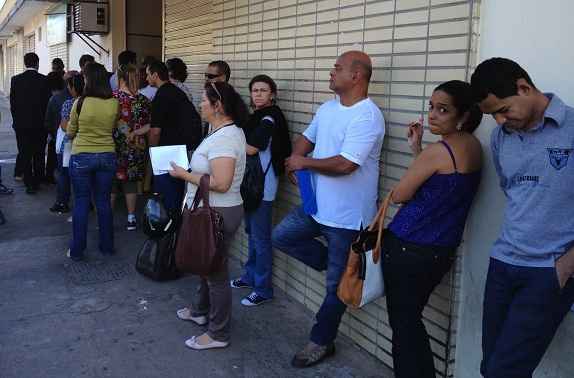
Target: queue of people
x: 102, y: 128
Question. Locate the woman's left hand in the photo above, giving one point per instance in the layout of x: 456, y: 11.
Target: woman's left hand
x: 177, y: 171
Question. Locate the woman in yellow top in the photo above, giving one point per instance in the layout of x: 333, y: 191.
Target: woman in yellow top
x: 93, y: 162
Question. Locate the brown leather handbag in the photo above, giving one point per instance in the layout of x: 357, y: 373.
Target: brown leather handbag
x: 200, y: 240
x: 362, y: 282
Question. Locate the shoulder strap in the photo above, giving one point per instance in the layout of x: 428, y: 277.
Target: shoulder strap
x: 445, y: 144
x: 79, y: 106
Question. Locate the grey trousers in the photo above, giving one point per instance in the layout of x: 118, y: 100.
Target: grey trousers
x: 214, y: 293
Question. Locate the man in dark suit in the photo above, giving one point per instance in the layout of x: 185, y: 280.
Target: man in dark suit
x: 29, y: 96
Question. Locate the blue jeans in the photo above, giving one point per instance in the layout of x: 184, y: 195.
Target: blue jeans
x: 258, y: 269
x: 295, y: 235
x: 63, y: 188
x: 523, y: 307
x: 171, y: 190
x: 92, y: 173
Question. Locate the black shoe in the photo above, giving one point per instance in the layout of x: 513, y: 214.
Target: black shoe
x: 60, y: 208
x: 5, y: 190
x: 2, y: 219
x: 239, y: 284
x: 31, y: 190
x: 132, y: 225
x: 312, y: 354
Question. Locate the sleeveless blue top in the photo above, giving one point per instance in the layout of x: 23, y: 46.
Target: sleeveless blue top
x: 437, y: 213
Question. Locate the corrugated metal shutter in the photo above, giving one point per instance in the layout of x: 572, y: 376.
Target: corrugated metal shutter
x: 188, y: 35
x: 60, y: 51
x: 30, y: 43
x: 414, y: 45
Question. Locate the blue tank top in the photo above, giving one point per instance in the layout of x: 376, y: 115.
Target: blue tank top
x: 437, y: 213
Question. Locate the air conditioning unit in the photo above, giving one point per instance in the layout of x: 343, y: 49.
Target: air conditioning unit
x: 89, y: 17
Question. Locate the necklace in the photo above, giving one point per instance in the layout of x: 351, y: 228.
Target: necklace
x: 219, y: 128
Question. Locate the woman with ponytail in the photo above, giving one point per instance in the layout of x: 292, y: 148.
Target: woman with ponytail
x: 420, y: 243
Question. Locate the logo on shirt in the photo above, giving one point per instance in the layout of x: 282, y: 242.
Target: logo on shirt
x: 526, y: 179
x: 558, y: 157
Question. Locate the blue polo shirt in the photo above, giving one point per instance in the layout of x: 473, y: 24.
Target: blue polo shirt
x: 536, y: 171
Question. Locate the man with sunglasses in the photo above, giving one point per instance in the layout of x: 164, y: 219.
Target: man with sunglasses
x: 218, y: 70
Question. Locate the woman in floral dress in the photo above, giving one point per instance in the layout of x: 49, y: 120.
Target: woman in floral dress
x: 130, y: 138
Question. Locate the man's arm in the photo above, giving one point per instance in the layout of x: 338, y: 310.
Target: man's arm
x: 565, y: 267
x: 332, y: 166
x: 153, y: 136
x: 12, y: 97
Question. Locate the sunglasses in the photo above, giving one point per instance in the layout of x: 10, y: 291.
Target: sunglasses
x: 216, y: 91
x: 210, y: 76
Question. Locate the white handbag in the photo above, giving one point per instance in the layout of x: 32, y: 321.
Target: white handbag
x: 362, y: 282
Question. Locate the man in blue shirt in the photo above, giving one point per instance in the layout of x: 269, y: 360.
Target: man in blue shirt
x: 529, y: 288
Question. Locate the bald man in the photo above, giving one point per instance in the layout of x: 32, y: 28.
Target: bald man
x: 344, y: 143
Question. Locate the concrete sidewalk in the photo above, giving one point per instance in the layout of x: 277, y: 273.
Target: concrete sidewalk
x: 102, y: 319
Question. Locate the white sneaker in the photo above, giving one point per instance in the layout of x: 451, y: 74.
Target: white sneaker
x: 185, y: 314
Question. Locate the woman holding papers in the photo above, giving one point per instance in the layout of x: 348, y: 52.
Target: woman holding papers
x: 130, y: 140
x: 268, y: 137
x: 221, y: 155
x: 93, y: 162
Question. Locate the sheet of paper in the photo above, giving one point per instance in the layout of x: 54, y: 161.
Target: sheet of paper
x: 162, y: 156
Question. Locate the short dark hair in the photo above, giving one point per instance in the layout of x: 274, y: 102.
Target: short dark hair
x: 85, y: 59
x: 263, y: 79
x: 160, y: 69
x: 497, y: 76
x: 55, y: 81
x: 31, y: 60
x: 77, y: 83
x: 463, y: 101
x: 177, y: 69
x: 97, y: 81
x: 127, y: 57
x: 222, y: 67
x: 59, y: 63
x: 233, y: 105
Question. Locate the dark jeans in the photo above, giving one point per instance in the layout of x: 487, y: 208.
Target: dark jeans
x: 51, y: 159
x: 258, y: 268
x: 92, y: 173
x: 523, y: 307
x: 63, y: 189
x: 171, y: 190
x: 295, y: 235
x: 33, y: 144
x: 411, y: 272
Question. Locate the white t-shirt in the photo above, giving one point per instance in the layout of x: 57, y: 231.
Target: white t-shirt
x: 228, y: 141
x: 149, y: 92
x: 356, y: 133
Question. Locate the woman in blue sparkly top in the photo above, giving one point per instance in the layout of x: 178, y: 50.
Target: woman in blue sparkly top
x: 420, y: 243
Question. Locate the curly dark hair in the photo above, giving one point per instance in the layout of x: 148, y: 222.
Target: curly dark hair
x: 177, y: 69
x: 231, y: 101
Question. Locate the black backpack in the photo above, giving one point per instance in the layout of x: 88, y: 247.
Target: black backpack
x: 253, y: 184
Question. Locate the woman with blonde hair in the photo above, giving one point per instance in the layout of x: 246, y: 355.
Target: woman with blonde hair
x: 131, y: 145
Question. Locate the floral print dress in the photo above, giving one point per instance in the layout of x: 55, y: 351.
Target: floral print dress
x: 131, y: 154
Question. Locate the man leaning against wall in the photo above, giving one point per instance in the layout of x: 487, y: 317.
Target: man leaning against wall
x: 529, y: 289
x: 345, y: 140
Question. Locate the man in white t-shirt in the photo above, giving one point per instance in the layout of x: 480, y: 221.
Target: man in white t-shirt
x: 345, y: 140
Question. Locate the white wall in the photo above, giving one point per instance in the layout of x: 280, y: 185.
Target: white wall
x: 539, y: 37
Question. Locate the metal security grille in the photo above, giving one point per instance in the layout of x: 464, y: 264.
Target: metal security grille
x: 414, y: 45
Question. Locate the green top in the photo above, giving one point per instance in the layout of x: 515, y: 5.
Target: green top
x: 92, y: 130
